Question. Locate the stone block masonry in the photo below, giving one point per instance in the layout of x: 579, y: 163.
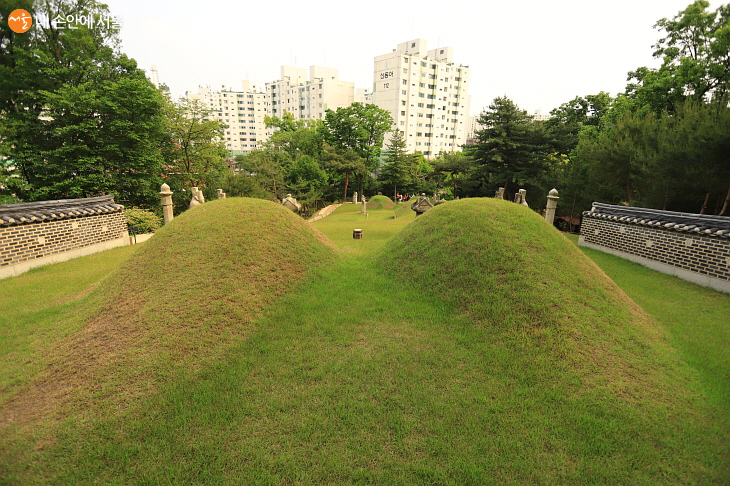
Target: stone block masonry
x: 35, y: 234
x: 691, y: 246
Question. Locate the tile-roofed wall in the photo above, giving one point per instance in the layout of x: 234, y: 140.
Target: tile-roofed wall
x: 695, y: 247
x: 34, y: 234
x: 15, y: 214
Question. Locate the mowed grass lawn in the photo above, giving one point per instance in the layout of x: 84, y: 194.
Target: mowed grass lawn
x: 358, y: 377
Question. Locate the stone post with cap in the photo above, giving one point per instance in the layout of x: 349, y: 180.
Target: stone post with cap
x: 166, y: 201
x: 552, y: 203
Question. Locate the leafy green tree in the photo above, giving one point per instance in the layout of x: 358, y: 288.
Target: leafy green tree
x: 511, y: 149
x: 195, y: 151
x: 268, y: 168
x: 345, y: 162
x: 307, y: 175
x: 566, y: 121
x: 295, y: 137
x: 675, y: 161
x: 455, y: 166
x: 358, y: 128
x: 79, y: 117
x: 695, y: 53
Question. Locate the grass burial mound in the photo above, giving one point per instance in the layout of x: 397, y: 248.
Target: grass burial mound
x: 178, y: 302
x: 380, y: 202
x: 558, y: 376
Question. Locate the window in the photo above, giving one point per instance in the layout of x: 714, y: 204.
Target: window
x: 403, y: 113
x: 421, y: 95
x: 405, y: 82
x: 430, y: 107
x: 419, y: 134
x: 405, y: 70
x: 420, y: 105
x: 403, y: 92
x: 403, y: 102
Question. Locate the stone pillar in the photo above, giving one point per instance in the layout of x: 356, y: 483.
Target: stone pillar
x: 363, y: 208
x: 500, y: 193
x: 552, y: 203
x: 166, y: 202
x: 354, y: 198
x: 221, y: 194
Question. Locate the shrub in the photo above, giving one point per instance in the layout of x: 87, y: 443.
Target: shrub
x: 145, y: 221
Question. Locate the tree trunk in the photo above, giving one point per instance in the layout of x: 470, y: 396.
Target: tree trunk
x: 727, y: 203
x: 395, y: 193
x: 718, y: 203
x: 704, y: 205
x: 506, y: 194
x: 347, y: 181
x: 570, y: 223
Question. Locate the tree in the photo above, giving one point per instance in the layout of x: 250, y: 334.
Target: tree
x: 511, y: 148
x: 400, y: 166
x: 79, y: 117
x: 671, y: 161
x: 358, y: 128
x: 268, y: 167
x: 195, y: 150
x: 455, y: 165
x: 295, y: 137
x: 696, y: 60
x: 343, y: 161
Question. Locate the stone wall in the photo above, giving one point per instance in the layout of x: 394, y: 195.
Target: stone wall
x: 35, y: 234
x: 691, y: 246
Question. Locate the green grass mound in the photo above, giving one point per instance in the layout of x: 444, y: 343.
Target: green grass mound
x: 181, y: 300
x: 380, y: 202
x: 590, y: 368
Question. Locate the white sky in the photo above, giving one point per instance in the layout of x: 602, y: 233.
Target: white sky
x: 539, y: 53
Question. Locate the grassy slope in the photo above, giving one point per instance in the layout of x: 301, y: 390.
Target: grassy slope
x: 179, y: 302
x: 696, y: 319
x: 433, y: 364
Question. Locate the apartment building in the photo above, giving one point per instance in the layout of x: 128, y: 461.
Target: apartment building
x: 307, y: 95
x: 426, y: 93
x: 243, y: 111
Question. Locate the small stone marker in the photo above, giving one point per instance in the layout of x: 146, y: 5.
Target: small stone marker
x: 357, y: 234
x: 291, y: 203
x: 363, y: 208
x: 221, y: 194
x: 354, y: 198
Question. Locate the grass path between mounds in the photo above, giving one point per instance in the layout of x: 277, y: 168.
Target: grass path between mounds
x: 429, y: 352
